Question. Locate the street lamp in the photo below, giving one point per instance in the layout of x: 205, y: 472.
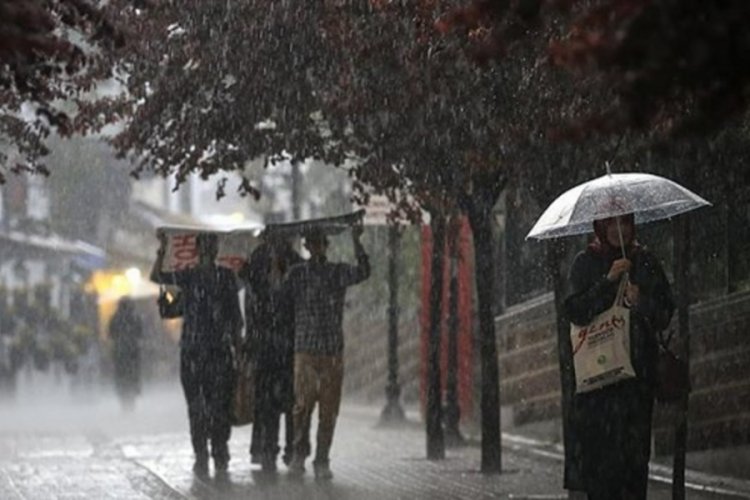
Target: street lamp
x: 393, y: 413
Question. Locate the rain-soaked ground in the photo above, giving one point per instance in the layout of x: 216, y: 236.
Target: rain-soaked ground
x: 57, y: 446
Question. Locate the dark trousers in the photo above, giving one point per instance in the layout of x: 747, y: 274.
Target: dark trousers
x: 207, y: 377
x: 273, y: 397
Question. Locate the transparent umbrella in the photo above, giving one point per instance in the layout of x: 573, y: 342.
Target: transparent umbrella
x: 649, y: 197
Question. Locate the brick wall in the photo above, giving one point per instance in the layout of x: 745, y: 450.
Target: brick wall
x: 719, y: 410
x: 719, y: 413
x: 529, y: 374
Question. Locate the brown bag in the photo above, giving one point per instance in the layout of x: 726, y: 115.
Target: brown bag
x: 243, y: 403
x: 672, y: 375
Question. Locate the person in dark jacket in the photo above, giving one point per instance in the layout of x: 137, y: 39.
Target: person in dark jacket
x: 270, y: 339
x: 612, y: 425
x: 125, y: 332
x: 211, y: 327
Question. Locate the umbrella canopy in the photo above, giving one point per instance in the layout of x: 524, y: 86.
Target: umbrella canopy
x: 649, y: 197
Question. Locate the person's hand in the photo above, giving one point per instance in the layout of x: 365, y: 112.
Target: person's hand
x: 162, y: 244
x: 619, y: 267
x: 632, y: 294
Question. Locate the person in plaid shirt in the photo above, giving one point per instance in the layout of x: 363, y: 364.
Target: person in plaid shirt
x: 317, y: 289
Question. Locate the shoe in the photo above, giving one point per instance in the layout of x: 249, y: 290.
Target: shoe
x: 297, y: 467
x: 200, y: 468
x: 221, y: 458
x: 221, y: 465
x: 323, y: 471
x: 268, y: 464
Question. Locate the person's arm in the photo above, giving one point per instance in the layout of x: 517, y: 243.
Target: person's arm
x: 351, y: 275
x: 655, y: 301
x: 157, y: 274
x: 590, y: 294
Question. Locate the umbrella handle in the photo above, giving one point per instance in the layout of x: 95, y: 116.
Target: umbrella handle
x: 619, y: 233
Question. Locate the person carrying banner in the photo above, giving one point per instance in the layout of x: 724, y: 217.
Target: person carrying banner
x: 212, y: 322
x: 317, y: 289
x: 612, y: 424
x: 270, y: 339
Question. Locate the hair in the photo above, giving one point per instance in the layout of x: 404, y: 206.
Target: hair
x: 601, y: 245
x: 207, y: 239
x: 315, y: 235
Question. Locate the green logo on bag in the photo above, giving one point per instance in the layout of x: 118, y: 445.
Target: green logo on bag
x: 601, y: 359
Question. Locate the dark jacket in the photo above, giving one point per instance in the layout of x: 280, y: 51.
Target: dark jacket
x: 126, y: 331
x: 269, y: 312
x: 212, y: 317
x: 610, y: 428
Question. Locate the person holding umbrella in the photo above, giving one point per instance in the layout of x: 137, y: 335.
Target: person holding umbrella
x: 619, y: 296
x: 613, y: 424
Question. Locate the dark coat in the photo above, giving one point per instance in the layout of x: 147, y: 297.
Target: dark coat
x: 610, y: 428
x: 269, y: 313
x: 126, y: 331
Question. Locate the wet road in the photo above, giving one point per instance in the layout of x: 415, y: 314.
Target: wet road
x: 92, y: 450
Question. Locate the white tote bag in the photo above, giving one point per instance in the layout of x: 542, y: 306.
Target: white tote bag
x: 601, y: 349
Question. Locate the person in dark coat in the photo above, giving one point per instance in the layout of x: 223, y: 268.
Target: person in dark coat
x: 612, y: 425
x: 125, y: 332
x: 270, y: 339
x: 211, y: 327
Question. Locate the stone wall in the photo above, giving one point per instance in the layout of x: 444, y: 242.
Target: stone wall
x: 719, y: 408
x: 719, y: 414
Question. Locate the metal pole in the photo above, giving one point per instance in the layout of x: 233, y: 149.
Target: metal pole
x: 682, y: 278
x: 296, y: 185
x: 393, y: 413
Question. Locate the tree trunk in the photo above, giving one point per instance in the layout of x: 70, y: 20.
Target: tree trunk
x: 435, y: 437
x: 480, y: 213
x: 453, y: 435
x: 682, y: 278
x: 556, y: 251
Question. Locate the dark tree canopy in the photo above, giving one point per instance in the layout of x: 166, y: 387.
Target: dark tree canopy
x: 676, y: 66
x: 48, y: 53
x: 213, y: 84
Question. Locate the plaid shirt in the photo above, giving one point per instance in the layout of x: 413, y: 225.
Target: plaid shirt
x: 318, y: 289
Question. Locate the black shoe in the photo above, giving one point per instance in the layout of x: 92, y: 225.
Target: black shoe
x: 268, y: 464
x: 322, y: 471
x: 297, y: 467
x: 221, y: 464
x: 200, y: 468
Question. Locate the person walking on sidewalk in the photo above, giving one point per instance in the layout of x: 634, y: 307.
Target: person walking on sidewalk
x: 612, y: 425
x: 317, y: 289
x: 126, y: 332
x: 210, y: 332
x: 270, y: 342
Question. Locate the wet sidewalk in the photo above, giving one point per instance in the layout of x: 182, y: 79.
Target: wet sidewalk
x: 146, y: 455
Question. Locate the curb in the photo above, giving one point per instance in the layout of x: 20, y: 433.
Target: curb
x: 694, y: 480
